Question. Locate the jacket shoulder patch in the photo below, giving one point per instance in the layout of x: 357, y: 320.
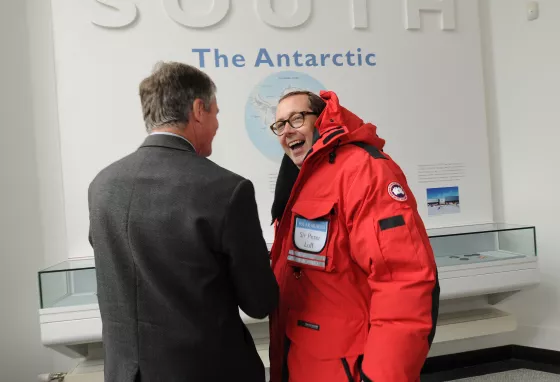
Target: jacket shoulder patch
x: 397, y: 192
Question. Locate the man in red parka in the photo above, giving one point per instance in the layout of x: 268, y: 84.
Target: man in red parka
x: 359, y: 293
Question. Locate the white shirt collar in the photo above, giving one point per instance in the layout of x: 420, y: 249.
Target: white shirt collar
x: 172, y: 134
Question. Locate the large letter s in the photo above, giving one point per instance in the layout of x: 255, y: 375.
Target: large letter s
x: 123, y: 14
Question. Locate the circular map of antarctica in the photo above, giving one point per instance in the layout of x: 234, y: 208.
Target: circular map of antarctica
x: 260, y: 111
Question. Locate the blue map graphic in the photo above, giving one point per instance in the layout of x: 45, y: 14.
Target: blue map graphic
x: 260, y: 111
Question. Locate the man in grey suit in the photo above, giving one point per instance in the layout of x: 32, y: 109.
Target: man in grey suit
x: 178, y: 246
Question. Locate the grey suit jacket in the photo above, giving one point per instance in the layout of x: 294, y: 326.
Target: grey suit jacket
x: 178, y: 248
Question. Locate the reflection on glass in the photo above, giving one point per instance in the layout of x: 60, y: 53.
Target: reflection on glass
x: 69, y: 283
x: 483, y: 243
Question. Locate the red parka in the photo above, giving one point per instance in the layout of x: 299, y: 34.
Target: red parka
x: 357, y: 275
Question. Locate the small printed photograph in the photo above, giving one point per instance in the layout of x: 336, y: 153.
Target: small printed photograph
x: 443, y: 201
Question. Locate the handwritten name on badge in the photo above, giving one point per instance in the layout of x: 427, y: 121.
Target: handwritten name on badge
x: 310, y: 235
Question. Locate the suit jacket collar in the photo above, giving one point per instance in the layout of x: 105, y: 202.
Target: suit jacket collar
x: 169, y: 141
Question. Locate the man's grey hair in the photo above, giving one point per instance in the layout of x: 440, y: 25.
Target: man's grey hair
x: 168, y: 94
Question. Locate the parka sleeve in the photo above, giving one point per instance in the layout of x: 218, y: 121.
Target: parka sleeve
x: 389, y: 242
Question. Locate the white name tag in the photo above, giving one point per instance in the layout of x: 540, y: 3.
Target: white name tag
x: 310, y: 235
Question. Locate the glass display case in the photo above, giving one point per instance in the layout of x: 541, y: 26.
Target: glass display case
x: 483, y: 243
x: 70, y: 283
x: 73, y: 282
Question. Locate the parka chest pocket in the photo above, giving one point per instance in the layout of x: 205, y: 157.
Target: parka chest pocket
x: 313, y: 230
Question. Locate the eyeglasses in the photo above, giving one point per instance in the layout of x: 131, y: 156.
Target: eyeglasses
x: 296, y: 121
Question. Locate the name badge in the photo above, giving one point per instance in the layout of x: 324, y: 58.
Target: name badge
x: 310, y: 235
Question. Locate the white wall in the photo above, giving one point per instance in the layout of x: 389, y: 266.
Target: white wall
x: 45, y: 119
x: 47, y: 144
x: 22, y: 357
x: 522, y: 78
x: 523, y: 82
x: 425, y: 93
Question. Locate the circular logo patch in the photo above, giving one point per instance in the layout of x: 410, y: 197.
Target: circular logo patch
x: 397, y: 192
